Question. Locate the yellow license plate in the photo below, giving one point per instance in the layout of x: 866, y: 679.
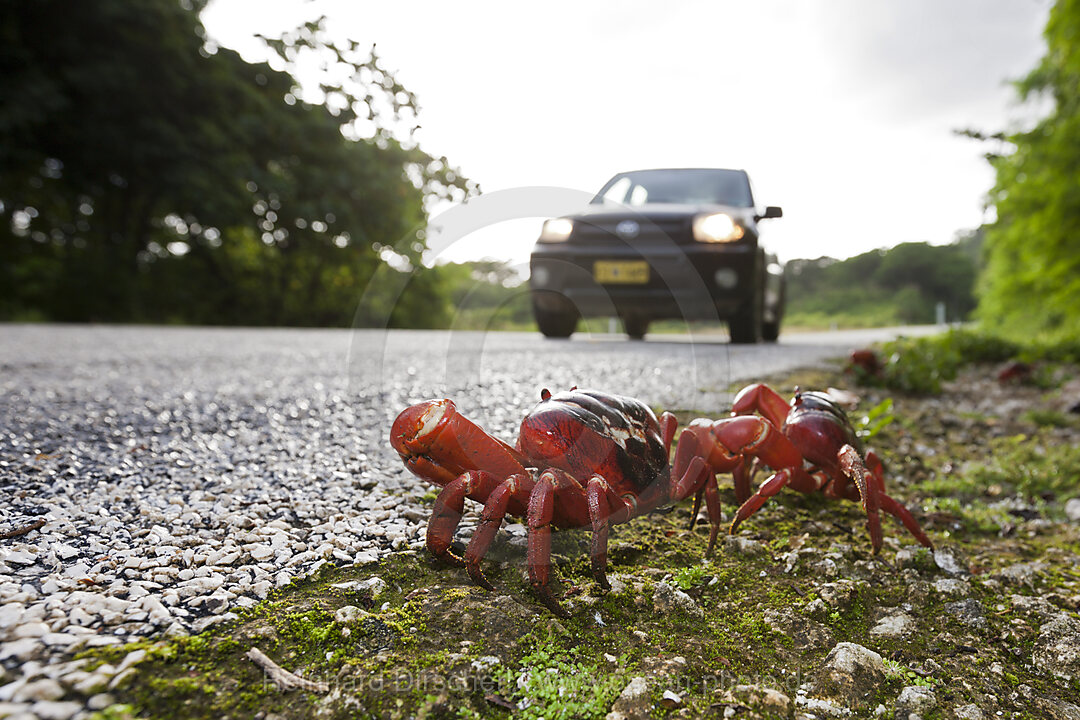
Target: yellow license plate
x: 621, y: 272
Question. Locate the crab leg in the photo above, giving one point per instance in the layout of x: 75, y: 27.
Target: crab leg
x: 605, y: 507
x: 743, y: 475
x: 712, y: 506
x: 449, y: 507
x: 668, y: 424
x: 491, y: 518
x: 902, y: 514
x: 697, y: 458
x: 770, y: 487
x: 852, y: 467
x: 540, y: 515
x: 696, y: 509
x: 890, y: 505
x: 763, y: 399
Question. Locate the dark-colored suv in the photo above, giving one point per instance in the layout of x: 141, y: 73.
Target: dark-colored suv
x: 661, y: 244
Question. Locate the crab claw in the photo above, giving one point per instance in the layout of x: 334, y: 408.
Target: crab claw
x: 414, y: 428
x: 439, y: 444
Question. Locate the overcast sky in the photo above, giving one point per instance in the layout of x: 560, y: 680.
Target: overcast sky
x: 842, y: 111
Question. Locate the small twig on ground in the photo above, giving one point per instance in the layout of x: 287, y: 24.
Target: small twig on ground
x: 282, y: 678
x: 33, y: 525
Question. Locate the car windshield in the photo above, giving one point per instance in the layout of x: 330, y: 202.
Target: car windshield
x: 691, y: 187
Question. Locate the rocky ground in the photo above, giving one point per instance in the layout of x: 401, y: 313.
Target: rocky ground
x: 794, y: 616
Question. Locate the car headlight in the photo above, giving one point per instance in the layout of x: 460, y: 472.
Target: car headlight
x: 716, y: 228
x: 557, y: 230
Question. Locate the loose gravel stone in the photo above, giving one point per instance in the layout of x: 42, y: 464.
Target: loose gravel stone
x: 969, y: 612
x: 1021, y: 573
x: 893, y: 624
x: 667, y: 599
x: 1072, y: 509
x: 851, y: 673
x: 915, y: 701
x: 952, y: 587
x: 969, y: 712
x: 951, y: 561
x: 770, y: 702
x: 633, y: 702
x: 1057, y: 649
x: 44, y: 689
x: 744, y: 546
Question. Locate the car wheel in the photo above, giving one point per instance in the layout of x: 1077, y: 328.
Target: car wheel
x: 555, y: 324
x: 636, y: 327
x: 770, y: 330
x: 746, y: 325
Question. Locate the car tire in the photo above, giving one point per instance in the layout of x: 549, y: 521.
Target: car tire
x: 770, y: 330
x: 636, y: 327
x: 555, y: 324
x: 745, y: 326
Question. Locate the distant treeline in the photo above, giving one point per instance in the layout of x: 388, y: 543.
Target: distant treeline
x: 894, y: 286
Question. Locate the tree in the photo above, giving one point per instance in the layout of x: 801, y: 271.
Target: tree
x: 899, y: 284
x: 145, y: 175
x: 1031, y: 281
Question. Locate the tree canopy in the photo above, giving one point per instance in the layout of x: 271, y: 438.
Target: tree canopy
x: 147, y: 175
x: 902, y: 284
x: 1031, y: 282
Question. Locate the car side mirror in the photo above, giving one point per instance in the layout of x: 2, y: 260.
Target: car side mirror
x: 771, y: 211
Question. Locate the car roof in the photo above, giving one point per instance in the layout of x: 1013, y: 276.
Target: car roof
x: 667, y: 169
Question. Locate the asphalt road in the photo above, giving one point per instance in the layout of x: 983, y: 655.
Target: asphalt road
x: 46, y: 370
x: 49, y: 372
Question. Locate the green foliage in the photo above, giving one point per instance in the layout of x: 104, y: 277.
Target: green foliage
x: 1047, y: 418
x: 875, y: 420
x: 564, y: 684
x: 900, y: 285
x: 920, y: 365
x: 692, y: 575
x: 484, y: 295
x: 1032, y: 279
x: 151, y: 176
x: 906, y: 675
x: 115, y: 712
x: 1036, y: 468
x: 1030, y: 466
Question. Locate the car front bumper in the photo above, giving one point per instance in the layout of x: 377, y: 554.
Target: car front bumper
x: 691, y: 282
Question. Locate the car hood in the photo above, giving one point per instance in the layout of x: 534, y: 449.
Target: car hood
x: 658, y: 211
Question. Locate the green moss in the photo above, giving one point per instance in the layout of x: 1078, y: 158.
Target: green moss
x: 692, y: 575
x: 1046, y: 418
x: 1032, y: 466
x: 115, y: 712
x: 554, y: 681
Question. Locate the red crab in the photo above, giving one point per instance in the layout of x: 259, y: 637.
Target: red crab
x: 810, y: 445
x: 582, y: 459
x: 864, y: 363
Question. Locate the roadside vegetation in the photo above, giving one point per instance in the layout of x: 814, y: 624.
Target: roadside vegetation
x: 902, y: 285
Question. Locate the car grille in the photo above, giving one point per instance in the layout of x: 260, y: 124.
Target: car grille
x: 602, y: 232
